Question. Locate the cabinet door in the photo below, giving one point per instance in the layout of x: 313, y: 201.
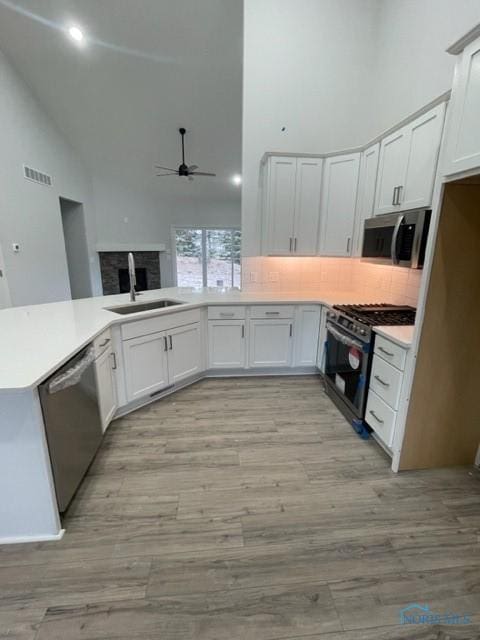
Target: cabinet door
x: 338, y: 204
x: 270, y: 343
x: 425, y: 134
x: 366, y: 194
x: 462, y: 151
x: 106, y: 386
x: 226, y: 344
x: 307, y: 206
x: 184, y: 352
x: 391, y: 170
x: 307, y: 323
x: 146, y: 365
x: 280, y: 205
x: 322, y: 337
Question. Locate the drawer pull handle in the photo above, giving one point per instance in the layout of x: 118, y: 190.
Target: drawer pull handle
x: 272, y: 313
x: 387, y: 353
x: 376, y: 417
x: 104, y: 343
x: 385, y: 384
x: 224, y: 314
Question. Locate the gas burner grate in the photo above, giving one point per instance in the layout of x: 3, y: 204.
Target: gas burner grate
x: 379, y: 314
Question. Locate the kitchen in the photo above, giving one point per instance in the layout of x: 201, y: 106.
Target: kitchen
x: 232, y: 429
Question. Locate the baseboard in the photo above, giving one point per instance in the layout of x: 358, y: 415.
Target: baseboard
x: 40, y: 538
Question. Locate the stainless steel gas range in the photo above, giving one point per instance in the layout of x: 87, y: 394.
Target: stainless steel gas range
x: 349, y: 352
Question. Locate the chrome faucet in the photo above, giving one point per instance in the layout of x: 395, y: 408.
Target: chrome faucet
x: 131, y: 276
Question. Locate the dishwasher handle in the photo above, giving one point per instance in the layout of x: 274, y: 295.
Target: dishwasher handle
x: 72, y: 376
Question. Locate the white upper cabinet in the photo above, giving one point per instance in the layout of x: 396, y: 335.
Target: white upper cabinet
x: 462, y: 141
x: 280, y: 205
x: 339, y: 195
x: 307, y: 206
x: 366, y: 194
x: 425, y: 135
x: 391, y: 171
x: 408, y: 162
x: 291, y: 205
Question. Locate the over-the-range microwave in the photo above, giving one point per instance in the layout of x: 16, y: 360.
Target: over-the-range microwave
x: 397, y: 238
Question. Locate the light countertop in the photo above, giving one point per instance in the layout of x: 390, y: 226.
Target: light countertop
x: 36, y: 340
x: 402, y: 335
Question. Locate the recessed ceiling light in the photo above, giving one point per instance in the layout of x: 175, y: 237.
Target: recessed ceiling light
x: 237, y: 179
x: 76, y: 34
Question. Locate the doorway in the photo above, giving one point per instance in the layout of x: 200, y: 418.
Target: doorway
x: 76, y: 249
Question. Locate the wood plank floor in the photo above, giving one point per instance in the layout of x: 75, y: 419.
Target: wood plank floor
x: 247, y: 509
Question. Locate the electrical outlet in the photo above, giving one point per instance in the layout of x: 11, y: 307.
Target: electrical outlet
x: 273, y: 276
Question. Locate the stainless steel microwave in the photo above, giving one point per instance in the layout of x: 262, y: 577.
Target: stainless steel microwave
x: 397, y: 238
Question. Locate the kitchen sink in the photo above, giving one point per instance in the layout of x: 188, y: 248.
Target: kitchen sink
x: 137, y: 307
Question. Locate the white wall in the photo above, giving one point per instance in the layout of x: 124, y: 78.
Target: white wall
x: 412, y: 67
x: 126, y: 215
x: 30, y: 213
x: 307, y: 67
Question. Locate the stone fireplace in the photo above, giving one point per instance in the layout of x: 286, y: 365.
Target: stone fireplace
x: 114, y: 271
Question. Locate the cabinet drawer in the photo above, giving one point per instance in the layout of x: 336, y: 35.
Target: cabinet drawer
x: 380, y: 417
x: 271, y: 311
x: 226, y: 313
x: 163, y: 322
x: 101, y: 342
x: 390, y: 352
x: 386, y: 381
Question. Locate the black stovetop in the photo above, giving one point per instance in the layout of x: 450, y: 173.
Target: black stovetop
x: 378, y: 314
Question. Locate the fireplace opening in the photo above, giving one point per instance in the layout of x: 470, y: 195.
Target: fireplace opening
x: 124, y: 280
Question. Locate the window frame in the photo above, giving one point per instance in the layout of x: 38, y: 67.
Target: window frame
x: 203, y: 229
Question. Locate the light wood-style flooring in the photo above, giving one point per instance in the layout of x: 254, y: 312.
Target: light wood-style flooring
x: 248, y: 509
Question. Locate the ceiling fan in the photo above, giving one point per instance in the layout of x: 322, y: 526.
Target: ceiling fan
x: 183, y: 169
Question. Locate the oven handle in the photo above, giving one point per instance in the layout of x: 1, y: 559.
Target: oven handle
x: 396, y: 231
x: 343, y: 337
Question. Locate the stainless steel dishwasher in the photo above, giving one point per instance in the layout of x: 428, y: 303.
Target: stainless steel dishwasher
x: 72, y: 422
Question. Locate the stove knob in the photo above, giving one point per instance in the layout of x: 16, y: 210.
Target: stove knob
x: 363, y: 332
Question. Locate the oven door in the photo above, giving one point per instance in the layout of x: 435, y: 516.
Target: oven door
x: 347, y: 367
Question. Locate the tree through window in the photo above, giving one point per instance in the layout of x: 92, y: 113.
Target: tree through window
x: 208, y: 257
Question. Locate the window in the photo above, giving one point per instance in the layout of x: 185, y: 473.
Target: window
x: 208, y: 257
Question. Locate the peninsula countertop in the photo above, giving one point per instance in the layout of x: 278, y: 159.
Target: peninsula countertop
x: 36, y: 340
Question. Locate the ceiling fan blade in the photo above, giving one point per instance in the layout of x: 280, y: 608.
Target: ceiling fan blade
x: 202, y: 173
x: 157, y: 166
x: 173, y: 173
x: 192, y: 167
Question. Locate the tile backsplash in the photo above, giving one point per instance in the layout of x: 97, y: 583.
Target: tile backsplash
x: 380, y: 282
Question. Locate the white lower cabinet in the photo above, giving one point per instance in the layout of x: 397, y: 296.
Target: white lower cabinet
x: 159, y: 360
x: 386, y: 380
x: 226, y: 344
x: 185, y: 352
x: 146, y: 365
x: 270, y: 343
x: 105, y: 366
x: 322, y: 336
x: 307, y: 323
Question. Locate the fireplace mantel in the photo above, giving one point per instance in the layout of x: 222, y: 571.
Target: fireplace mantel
x: 128, y: 246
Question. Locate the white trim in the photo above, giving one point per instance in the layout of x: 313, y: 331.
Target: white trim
x: 40, y: 538
x: 459, y: 45
x: 112, y: 246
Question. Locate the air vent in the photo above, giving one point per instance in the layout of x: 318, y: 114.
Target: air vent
x: 37, y: 176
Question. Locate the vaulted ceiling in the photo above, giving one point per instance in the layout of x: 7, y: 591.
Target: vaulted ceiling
x: 147, y: 68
